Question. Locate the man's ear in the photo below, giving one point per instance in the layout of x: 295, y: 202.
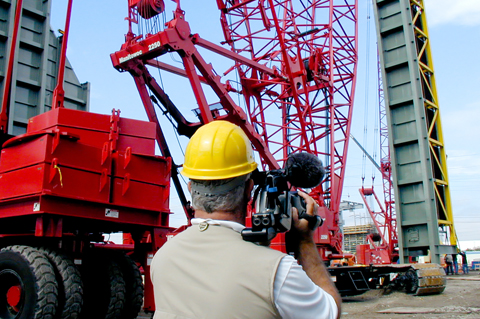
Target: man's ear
x: 249, y: 187
x: 189, y: 186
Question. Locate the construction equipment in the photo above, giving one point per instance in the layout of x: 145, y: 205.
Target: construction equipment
x: 381, y: 251
x: 420, y: 218
x: 297, y: 74
x: 70, y: 179
x: 85, y: 175
x: 382, y: 246
x: 291, y: 106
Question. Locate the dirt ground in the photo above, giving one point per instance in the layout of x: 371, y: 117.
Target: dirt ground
x: 461, y: 299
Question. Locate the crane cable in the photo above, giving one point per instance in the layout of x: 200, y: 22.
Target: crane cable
x: 366, y: 105
x: 153, y: 26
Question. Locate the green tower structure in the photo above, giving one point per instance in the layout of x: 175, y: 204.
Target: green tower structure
x: 423, y: 205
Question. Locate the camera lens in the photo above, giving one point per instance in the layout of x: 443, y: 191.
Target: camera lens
x: 256, y: 221
x: 266, y: 221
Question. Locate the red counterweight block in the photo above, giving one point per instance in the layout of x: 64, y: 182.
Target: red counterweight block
x: 88, y: 157
x: 96, y: 129
x: 53, y: 163
x: 141, y: 181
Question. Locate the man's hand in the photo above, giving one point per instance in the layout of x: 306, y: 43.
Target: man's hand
x: 308, y: 255
x: 301, y: 225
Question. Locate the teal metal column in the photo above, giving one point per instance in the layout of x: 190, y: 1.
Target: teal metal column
x: 409, y: 123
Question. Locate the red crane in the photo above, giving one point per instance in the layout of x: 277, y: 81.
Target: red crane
x: 296, y: 64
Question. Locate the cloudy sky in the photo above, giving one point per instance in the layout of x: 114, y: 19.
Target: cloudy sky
x: 98, y: 28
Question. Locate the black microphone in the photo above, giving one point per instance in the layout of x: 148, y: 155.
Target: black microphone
x: 304, y: 170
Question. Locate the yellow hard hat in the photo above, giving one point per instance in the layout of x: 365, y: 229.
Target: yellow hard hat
x: 218, y: 150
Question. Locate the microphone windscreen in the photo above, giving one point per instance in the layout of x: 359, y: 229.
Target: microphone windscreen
x: 304, y: 170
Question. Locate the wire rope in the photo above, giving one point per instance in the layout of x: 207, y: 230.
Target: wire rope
x: 366, y: 105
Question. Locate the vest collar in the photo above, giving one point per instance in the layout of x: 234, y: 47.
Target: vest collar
x: 224, y: 223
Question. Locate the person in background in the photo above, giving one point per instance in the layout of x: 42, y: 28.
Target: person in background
x: 209, y: 271
x: 455, y: 263
x: 464, y: 262
x: 449, y: 262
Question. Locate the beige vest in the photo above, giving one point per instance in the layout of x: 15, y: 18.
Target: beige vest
x: 214, y: 274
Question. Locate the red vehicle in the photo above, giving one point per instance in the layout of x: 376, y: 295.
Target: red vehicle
x: 71, y: 179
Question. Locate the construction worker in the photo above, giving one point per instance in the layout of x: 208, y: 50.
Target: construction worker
x: 455, y: 263
x: 449, y: 263
x: 209, y: 271
x: 464, y: 262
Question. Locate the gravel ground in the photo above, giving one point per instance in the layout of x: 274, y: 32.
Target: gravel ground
x: 461, y: 299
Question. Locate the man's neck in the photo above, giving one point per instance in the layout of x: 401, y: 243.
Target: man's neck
x: 220, y: 216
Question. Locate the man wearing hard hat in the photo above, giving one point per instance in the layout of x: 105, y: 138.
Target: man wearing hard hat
x: 209, y: 271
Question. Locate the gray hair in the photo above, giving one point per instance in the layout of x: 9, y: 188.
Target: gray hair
x: 227, y: 195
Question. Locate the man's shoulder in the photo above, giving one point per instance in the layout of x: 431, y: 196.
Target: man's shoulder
x: 223, y: 239
x: 178, y: 236
x: 264, y: 249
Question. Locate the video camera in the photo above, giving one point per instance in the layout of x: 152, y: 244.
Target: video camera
x: 273, y: 199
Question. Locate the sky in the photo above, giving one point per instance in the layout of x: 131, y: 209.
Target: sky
x: 98, y: 28
x: 455, y: 36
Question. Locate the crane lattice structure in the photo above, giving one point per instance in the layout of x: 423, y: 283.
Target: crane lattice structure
x: 296, y: 61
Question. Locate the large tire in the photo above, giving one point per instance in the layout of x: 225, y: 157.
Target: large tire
x: 133, y: 285
x: 70, y: 286
x: 104, y: 287
x: 29, y: 272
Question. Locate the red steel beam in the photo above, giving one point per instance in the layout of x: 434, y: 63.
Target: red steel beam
x: 59, y: 93
x: 9, y: 74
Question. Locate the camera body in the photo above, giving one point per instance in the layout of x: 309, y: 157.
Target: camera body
x: 273, y: 201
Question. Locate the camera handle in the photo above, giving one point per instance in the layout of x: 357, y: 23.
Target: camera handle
x: 291, y: 240
x: 314, y: 221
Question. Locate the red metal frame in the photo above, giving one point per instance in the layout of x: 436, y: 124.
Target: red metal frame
x: 384, y: 249
x: 8, y: 75
x: 297, y: 77
x: 59, y: 93
x: 297, y: 67
x: 309, y: 106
